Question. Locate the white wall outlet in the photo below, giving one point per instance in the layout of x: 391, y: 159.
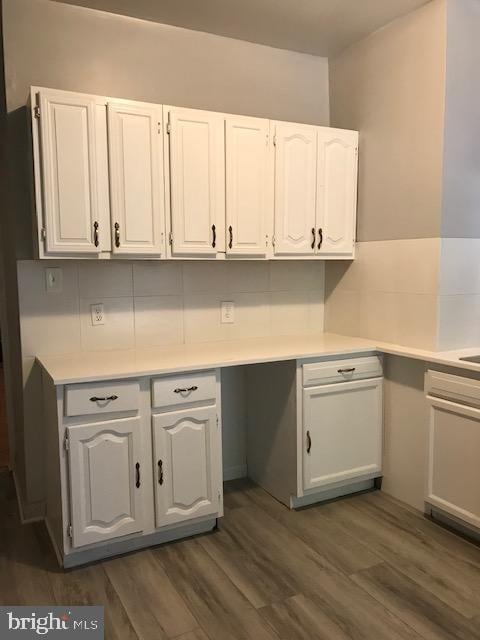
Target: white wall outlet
x: 227, y: 312
x: 98, y: 313
x: 54, y: 280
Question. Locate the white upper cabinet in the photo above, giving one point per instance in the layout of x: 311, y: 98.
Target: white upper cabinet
x: 336, y: 191
x: 135, y: 145
x: 105, y: 480
x: 197, y: 181
x: 70, y: 172
x: 295, y: 188
x: 186, y: 461
x: 248, y: 188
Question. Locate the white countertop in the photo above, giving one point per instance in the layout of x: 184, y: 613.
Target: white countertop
x: 109, y: 365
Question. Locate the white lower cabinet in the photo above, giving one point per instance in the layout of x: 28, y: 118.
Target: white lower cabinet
x: 342, y: 428
x: 186, y: 459
x: 105, y: 478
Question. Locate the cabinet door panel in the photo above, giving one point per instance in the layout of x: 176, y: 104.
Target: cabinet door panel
x: 453, y: 469
x: 197, y: 181
x: 295, y: 188
x: 105, y: 501
x: 247, y: 185
x: 186, y: 461
x: 342, y: 432
x: 336, y: 190
x: 136, y: 182
x: 69, y: 171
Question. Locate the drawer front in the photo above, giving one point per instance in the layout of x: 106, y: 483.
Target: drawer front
x: 101, y: 397
x: 189, y: 388
x: 333, y: 371
x: 454, y: 388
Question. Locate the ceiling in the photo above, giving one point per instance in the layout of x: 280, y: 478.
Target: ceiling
x: 320, y: 27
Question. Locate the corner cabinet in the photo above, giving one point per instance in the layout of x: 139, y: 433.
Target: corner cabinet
x: 119, y: 178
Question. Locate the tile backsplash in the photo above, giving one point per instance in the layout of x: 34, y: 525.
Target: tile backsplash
x: 160, y: 303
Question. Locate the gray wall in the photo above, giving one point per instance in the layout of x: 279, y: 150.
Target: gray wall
x: 67, y: 47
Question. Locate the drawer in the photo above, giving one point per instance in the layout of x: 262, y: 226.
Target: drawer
x: 101, y: 397
x: 188, y: 388
x: 331, y: 371
x: 454, y: 388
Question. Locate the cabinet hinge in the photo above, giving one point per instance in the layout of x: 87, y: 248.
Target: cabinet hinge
x: 159, y: 127
x: 217, y: 421
x: 169, y: 128
x: 274, y: 139
x: 170, y: 238
x: 219, y: 497
x: 36, y: 111
x: 43, y: 234
x: 70, y: 531
x: 273, y: 241
x: 66, y: 442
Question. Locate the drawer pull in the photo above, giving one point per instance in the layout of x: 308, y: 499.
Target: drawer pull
x: 309, y: 442
x: 137, y: 475
x: 349, y: 370
x: 214, y: 240
x: 160, y: 472
x: 185, y: 390
x: 104, y: 399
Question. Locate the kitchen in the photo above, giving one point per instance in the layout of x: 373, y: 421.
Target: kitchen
x: 250, y: 286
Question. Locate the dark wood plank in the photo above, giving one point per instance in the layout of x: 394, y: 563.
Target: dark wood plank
x: 220, y: 608
x: 197, y: 634
x: 154, y: 607
x: 429, y: 616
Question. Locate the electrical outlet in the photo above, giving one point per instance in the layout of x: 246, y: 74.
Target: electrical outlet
x: 54, y: 279
x: 98, y: 313
x: 227, y: 312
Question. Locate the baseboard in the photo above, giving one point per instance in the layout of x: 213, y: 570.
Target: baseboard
x: 29, y: 511
x: 331, y: 494
x: 232, y: 473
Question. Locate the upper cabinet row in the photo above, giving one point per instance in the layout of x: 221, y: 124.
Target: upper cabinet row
x: 124, y: 178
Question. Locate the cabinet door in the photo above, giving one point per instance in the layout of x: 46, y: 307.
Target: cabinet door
x: 453, y: 464
x: 342, y: 429
x: 69, y: 168
x: 197, y: 182
x: 136, y: 177
x: 295, y: 188
x: 105, y: 480
x: 336, y: 191
x: 186, y: 463
x: 247, y: 185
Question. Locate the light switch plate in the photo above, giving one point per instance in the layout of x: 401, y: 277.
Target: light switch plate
x: 227, y: 312
x: 98, y: 313
x: 54, y: 280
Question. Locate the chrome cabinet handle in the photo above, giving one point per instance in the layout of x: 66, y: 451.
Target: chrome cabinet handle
x: 314, y: 237
x: 160, y: 472
x: 104, y: 399
x: 230, y: 242
x: 309, y: 442
x: 349, y: 370
x: 320, y: 238
x: 214, y: 240
x: 185, y: 389
x: 95, y: 233
x: 117, y: 234
x: 137, y: 475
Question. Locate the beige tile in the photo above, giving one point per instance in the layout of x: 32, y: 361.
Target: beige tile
x: 158, y: 320
x: 458, y: 325
x: 252, y: 316
x: 416, y: 320
x: 289, y: 275
x: 106, y: 279
x: 157, y: 278
x: 245, y: 276
x: 204, y: 277
x: 342, y: 313
x: 460, y: 266
x: 202, y: 318
x: 289, y: 312
x: 118, y: 330
x: 316, y: 312
x: 49, y: 322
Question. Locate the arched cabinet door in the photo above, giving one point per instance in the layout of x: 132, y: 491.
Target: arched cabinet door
x: 295, y: 186
x: 186, y: 465
x: 336, y: 191
x: 106, y: 480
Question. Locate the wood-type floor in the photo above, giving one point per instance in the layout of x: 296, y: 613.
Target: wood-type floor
x: 364, y: 567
